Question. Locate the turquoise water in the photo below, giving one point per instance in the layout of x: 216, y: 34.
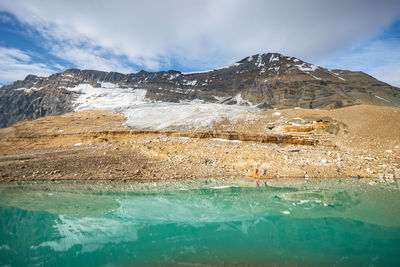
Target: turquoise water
x: 230, y: 222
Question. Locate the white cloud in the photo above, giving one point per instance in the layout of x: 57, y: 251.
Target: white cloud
x: 205, y: 33
x: 15, y: 64
x: 90, y: 58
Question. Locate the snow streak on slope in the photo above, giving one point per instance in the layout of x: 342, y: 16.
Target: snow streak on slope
x: 306, y: 67
x: 153, y: 115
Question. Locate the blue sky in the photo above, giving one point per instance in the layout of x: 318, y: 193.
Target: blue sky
x: 378, y: 55
x: 47, y: 36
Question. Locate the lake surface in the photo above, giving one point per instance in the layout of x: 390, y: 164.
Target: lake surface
x: 225, y: 222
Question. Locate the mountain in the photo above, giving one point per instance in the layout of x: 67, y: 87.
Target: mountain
x: 263, y: 80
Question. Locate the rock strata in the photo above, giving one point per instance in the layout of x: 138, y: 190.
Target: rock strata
x: 45, y: 149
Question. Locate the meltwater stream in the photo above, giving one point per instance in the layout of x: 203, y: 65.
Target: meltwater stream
x: 230, y: 222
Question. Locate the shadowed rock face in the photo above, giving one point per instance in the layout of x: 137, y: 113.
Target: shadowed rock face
x: 18, y: 105
x: 266, y: 80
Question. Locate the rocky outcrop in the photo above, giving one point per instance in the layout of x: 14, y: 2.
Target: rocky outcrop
x: 266, y: 80
x: 16, y: 105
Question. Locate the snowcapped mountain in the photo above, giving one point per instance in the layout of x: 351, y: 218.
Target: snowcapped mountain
x: 168, y: 98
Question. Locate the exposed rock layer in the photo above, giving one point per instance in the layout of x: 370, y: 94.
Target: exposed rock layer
x: 359, y: 141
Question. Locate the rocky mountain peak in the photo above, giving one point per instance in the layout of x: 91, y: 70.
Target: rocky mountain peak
x: 263, y: 58
x: 268, y: 80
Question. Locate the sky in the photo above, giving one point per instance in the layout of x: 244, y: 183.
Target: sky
x: 47, y: 36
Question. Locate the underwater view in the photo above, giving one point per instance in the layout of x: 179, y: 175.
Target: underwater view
x: 212, y: 222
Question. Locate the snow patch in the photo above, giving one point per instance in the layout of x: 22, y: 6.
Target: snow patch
x: 235, y: 64
x: 306, y: 67
x: 192, y: 83
x: 273, y: 58
x: 315, y: 77
x: 221, y: 98
x: 105, y: 98
x: 190, y: 115
x: 239, y: 99
x: 337, y: 75
x: 276, y: 114
x: 259, y: 62
x: 173, y: 76
x: 274, y: 68
x: 27, y: 90
x: 381, y: 98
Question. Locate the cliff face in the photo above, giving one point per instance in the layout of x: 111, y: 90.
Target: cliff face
x: 265, y: 80
x: 18, y: 105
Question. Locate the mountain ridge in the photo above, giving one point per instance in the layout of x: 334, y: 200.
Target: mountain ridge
x: 267, y: 81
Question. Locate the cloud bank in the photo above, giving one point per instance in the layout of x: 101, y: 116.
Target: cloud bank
x: 193, y: 35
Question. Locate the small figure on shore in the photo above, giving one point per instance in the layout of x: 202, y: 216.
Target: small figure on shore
x: 256, y: 171
x: 258, y: 185
x: 265, y: 172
